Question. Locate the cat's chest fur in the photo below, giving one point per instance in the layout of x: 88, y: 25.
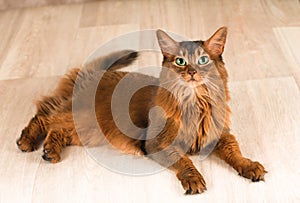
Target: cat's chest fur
x: 195, y: 117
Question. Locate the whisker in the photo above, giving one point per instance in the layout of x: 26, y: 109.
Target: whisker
x: 210, y: 84
x: 170, y: 81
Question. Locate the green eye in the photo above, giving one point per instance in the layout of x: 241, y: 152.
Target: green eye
x: 180, y: 61
x: 203, y: 60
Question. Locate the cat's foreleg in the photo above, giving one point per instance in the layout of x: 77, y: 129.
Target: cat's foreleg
x: 167, y: 150
x: 191, y: 180
x: 228, y: 150
x: 32, y: 134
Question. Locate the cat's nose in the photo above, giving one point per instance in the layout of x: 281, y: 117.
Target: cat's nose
x: 192, y: 72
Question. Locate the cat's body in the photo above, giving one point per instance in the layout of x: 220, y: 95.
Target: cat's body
x: 54, y: 118
x: 192, y: 90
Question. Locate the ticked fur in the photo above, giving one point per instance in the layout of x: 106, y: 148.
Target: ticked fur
x: 192, y: 91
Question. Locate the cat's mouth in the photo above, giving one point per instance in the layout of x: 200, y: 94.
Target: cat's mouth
x: 192, y: 80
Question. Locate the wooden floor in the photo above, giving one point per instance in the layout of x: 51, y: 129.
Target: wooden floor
x: 262, y: 56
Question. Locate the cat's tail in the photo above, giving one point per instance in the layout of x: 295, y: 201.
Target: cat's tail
x: 114, y: 61
x: 61, y: 98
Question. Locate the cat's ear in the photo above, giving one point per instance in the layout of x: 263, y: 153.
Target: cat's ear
x: 215, y: 44
x: 167, y: 45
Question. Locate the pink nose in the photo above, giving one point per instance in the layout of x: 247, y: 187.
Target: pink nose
x: 192, y: 72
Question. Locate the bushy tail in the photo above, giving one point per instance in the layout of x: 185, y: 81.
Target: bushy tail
x: 61, y: 97
x: 114, y: 61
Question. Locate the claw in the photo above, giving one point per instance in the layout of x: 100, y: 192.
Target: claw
x: 46, y: 158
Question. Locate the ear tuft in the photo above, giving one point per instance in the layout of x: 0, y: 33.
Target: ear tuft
x: 215, y: 44
x: 167, y: 45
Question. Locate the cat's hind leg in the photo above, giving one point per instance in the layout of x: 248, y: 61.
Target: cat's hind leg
x: 228, y: 150
x: 55, y: 141
x: 33, y: 134
x: 61, y: 133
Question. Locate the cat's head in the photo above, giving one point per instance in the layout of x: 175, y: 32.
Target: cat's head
x: 193, y: 61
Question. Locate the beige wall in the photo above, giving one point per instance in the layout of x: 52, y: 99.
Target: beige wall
x: 8, y: 4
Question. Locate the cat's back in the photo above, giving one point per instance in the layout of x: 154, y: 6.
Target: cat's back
x: 118, y: 91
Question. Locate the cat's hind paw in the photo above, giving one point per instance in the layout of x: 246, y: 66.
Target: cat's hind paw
x: 24, y: 143
x: 50, y: 155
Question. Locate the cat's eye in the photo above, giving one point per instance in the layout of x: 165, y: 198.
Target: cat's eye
x: 203, y: 60
x: 180, y: 61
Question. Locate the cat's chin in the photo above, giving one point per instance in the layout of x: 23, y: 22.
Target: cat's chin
x: 194, y: 83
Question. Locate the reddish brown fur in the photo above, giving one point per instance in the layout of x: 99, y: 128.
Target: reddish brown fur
x: 54, y: 120
x: 227, y: 147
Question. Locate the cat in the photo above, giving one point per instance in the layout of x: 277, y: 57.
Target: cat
x: 191, y: 89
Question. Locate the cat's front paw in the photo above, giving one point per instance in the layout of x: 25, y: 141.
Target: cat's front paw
x: 24, y: 143
x: 252, y: 170
x: 192, y: 182
x: 50, y: 154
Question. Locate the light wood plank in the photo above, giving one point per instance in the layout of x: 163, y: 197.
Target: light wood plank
x: 288, y: 38
x: 10, y: 4
x: 10, y: 23
x: 108, y: 13
x: 42, y: 45
x: 297, y: 78
x: 89, y: 40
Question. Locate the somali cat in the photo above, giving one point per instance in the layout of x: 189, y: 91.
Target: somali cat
x: 192, y: 90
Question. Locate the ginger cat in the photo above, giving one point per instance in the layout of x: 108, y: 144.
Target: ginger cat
x: 192, y: 90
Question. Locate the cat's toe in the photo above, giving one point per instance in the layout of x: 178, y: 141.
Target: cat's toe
x: 193, y: 183
x: 252, y: 170
x: 25, y: 145
x: 194, y: 186
x: 51, y: 156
